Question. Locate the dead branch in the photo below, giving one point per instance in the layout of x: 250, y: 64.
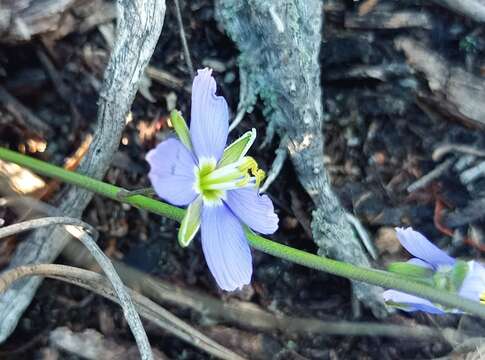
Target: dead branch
x: 98, y: 284
x: 139, y: 26
x: 284, y: 71
x: 20, y: 21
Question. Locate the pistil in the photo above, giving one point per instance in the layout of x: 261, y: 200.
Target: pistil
x: 213, y: 181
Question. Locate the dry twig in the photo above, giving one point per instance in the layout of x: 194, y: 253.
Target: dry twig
x: 98, y: 284
x: 432, y: 175
x: 165, y: 78
x: 445, y: 149
x: 74, y: 227
x: 277, y: 165
x: 250, y: 316
x: 138, y: 27
x: 183, y: 38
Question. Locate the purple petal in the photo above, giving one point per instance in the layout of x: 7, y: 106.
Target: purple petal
x: 418, y: 246
x: 172, y: 172
x: 410, y: 302
x: 209, y: 117
x: 474, y: 284
x: 254, y: 210
x: 225, y: 248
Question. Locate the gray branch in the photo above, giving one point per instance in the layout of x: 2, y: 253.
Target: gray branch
x: 280, y: 43
x: 474, y: 9
x: 80, y: 230
x: 139, y: 27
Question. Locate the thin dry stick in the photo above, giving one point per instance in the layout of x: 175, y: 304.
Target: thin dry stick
x: 185, y: 46
x: 28, y: 205
x: 432, y: 175
x: 74, y: 227
x: 238, y: 118
x: 42, y: 222
x: 278, y: 162
x: 250, y: 316
x: 445, y: 149
x: 139, y: 24
x: 148, y: 309
x: 240, y: 313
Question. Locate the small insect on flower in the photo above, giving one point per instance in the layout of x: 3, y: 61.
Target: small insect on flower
x: 435, y: 268
x: 219, y: 184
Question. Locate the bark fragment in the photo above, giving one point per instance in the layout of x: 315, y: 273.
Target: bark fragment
x: 452, y: 90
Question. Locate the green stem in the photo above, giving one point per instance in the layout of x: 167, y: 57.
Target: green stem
x: 371, y: 276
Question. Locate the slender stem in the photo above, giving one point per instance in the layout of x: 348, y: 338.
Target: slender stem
x: 183, y: 38
x: 368, y: 275
x: 98, y: 187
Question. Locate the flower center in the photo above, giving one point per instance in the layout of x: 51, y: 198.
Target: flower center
x: 212, y: 181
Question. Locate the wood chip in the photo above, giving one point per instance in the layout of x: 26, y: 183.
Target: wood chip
x: 454, y: 91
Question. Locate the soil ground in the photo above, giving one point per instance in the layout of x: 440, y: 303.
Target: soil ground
x: 380, y: 137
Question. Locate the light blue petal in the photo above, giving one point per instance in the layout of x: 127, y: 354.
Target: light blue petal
x: 474, y: 283
x: 409, y: 302
x: 418, y: 246
x: 172, y: 172
x: 209, y: 117
x: 254, y: 210
x: 225, y: 248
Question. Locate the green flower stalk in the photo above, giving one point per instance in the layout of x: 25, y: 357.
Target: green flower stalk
x: 349, y: 271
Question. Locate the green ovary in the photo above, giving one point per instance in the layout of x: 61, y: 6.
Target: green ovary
x: 213, y: 181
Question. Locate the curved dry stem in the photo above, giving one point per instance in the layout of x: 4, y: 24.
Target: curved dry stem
x: 75, y: 228
x: 47, y: 221
x: 148, y: 309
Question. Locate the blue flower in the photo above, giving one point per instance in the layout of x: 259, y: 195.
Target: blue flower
x: 218, y: 183
x: 467, y: 279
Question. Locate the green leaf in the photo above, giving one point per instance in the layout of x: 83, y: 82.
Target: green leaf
x: 181, y: 128
x: 458, y: 274
x: 190, y: 223
x: 238, y: 148
x: 397, y: 305
x: 407, y: 269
